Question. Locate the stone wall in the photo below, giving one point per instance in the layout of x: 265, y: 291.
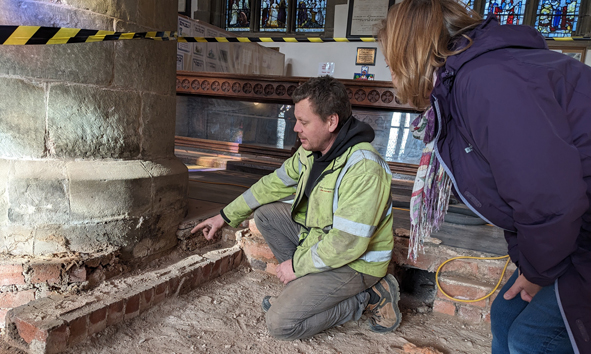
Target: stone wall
x: 87, y: 160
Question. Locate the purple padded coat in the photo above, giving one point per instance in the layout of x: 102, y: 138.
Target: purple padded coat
x: 514, y: 134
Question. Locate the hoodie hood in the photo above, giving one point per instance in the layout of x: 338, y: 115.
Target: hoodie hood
x: 352, y: 133
x: 487, y: 37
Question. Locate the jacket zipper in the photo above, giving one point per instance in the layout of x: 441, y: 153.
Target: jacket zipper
x: 448, y: 171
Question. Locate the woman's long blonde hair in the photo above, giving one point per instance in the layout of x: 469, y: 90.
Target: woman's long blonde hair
x: 417, y: 37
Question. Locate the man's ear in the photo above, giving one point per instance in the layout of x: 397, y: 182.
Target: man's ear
x: 333, y: 122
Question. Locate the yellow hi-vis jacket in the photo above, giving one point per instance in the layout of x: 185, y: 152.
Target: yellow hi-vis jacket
x: 346, y: 221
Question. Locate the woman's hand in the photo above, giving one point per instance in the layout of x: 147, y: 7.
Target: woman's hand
x: 527, y: 289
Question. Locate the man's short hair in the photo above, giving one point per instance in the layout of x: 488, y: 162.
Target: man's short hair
x: 327, y: 96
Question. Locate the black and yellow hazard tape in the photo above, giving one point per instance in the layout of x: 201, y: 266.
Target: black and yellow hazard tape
x: 25, y: 35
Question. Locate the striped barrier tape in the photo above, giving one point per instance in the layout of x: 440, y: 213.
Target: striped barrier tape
x: 26, y: 35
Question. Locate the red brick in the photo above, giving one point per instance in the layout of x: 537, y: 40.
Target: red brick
x: 206, y: 271
x: 132, y: 307
x: 486, y: 317
x: 444, y: 307
x: 46, y: 272
x: 271, y: 268
x: 160, y: 293
x: 215, y: 270
x: 237, y: 259
x: 462, y: 267
x: 77, y: 274
x: 97, y: 321
x: 258, y: 250
x: 470, y: 313
x: 57, y: 340
x: 11, y: 274
x: 17, y: 298
x: 3, y: 313
x: 254, y: 230
x: 146, y: 299
x: 173, y: 286
x: 29, y: 331
x: 462, y: 291
x: 78, y: 330
x: 186, y: 284
x: 115, y: 313
x: 226, y: 264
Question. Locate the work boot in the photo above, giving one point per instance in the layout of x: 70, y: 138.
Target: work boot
x: 266, y: 305
x: 383, y: 305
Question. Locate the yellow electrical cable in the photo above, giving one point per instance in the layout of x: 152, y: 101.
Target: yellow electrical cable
x: 438, y: 269
x: 469, y: 257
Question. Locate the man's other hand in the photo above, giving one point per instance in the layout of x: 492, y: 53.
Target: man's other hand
x: 210, y: 226
x: 285, y: 272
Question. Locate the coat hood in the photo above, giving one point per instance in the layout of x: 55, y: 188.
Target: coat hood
x: 487, y: 37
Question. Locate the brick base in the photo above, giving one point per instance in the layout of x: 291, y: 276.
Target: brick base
x: 52, y: 324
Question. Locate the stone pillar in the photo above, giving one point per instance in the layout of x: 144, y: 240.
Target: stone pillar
x: 87, y: 159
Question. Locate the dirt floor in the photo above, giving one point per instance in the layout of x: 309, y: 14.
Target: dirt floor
x: 224, y: 316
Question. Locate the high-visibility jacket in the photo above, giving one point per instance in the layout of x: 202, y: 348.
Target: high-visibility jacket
x: 350, y: 227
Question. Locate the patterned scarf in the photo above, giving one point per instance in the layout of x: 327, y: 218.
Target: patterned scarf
x: 431, y: 191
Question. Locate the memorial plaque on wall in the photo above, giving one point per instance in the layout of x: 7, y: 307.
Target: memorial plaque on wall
x: 365, y: 16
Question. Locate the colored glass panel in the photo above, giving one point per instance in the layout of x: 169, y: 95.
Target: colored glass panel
x: 557, y: 18
x: 310, y: 15
x: 469, y: 3
x: 508, y: 12
x: 238, y: 15
x: 274, y: 15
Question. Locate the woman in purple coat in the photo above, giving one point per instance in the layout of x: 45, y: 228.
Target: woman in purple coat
x: 510, y: 129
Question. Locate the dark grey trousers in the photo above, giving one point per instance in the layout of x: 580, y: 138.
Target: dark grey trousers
x: 314, y: 302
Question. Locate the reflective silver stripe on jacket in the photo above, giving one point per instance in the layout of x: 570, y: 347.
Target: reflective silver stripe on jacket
x: 352, y: 227
x: 318, y: 262
x: 356, y: 157
x: 284, y: 177
x: 377, y: 256
x: 250, y: 200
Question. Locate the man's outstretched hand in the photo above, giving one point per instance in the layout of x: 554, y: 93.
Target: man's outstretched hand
x: 210, y: 226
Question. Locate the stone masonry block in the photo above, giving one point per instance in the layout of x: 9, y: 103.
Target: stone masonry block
x: 11, y: 274
x: 22, y: 127
x: 105, y: 189
x: 17, y: 240
x: 147, y: 13
x: 166, y: 15
x: 170, y: 182
x: 155, y: 60
x: 89, y: 121
x: 158, y: 129
x: 445, y: 307
x: 125, y: 10
x: 16, y: 298
x: 77, y: 274
x: 50, y: 240
x: 257, y: 249
x: 5, y: 168
x: 60, y: 62
x: 47, y: 13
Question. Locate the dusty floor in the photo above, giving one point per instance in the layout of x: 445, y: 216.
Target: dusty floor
x: 224, y: 316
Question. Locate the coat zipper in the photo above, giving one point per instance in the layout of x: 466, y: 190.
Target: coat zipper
x: 448, y: 171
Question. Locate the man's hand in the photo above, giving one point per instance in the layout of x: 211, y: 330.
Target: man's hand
x: 210, y: 226
x: 527, y: 289
x: 285, y: 272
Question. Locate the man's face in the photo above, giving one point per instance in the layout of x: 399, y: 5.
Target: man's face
x: 314, y: 134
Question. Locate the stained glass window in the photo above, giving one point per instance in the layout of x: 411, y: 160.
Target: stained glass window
x: 557, y: 18
x: 469, y: 3
x: 509, y: 12
x: 310, y: 15
x: 238, y: 15
x: 274, y: 15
